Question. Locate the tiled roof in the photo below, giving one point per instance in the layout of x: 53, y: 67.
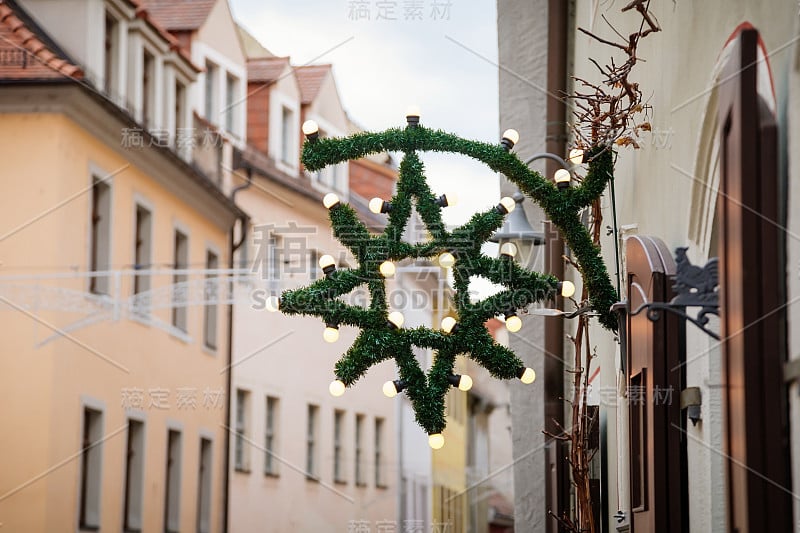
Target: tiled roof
x: 266, y: 69
x: 177, y: 15
x: 310, y: 78
x: 25, y: 52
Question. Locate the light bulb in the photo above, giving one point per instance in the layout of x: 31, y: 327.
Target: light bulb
x: 379, y: 205
x: 465, y: 383
x: 389, y: 390
x: 311, y: 130
x: 513, y: 323
x: 387, y: 269
x: 562, y: 178
x: 447, y: 200
x: 526, y: 375
x: 331, y: 333
x: 509, y: 139
x: 567, y: 288
x: 509, y: 249
x: 412, y: 115
x: 576, y: 156
x: 435, y: 441
x: 448, y: 324
x: 446, y: 260
x: 328, y: 264
x: 273, y: 304
x: 396, y: 319
x: 336, y: 388
x: 506, y: 205
x: 330, y: 201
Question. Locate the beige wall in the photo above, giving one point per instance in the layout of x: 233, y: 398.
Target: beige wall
x: 297, y: 370
x: 47, y: 159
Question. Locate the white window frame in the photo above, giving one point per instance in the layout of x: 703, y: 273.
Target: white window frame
x: 312, y: 445
x: 176, y: 312
x: 360, y: 478
x: 96, y: 284
x: 211, y: 310
x: 271, y: 425
x: 339, y: 428
x: 277, y: 103
x: 241, y: 450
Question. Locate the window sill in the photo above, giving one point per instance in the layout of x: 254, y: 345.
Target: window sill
x: 340, y: 481
x: 361, y: 485
x: 242, y: 470
x: 181, y: 335
x: 88, y: 528
x: 210, y: 351
x: 274, y: 475
x: 382, y: 486
x: 313, y: 478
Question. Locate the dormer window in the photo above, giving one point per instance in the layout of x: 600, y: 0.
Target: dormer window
x: 148, y: 78
x: 210, y: 93
x: 230, y: 103
x: 287, y: 136
x: 111, y: 52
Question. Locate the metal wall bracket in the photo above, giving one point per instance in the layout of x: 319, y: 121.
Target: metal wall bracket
x: 694, y: 287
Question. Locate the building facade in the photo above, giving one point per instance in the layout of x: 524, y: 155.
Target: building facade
x: 714, y: 174
x: 117, y: 331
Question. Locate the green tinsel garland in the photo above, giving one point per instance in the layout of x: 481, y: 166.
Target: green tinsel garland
x: 378, y: 339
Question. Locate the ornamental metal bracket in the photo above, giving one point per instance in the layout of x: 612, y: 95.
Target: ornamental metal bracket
x: 694, y: 287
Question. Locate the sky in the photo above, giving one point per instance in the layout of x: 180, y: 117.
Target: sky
x: 440, y: 55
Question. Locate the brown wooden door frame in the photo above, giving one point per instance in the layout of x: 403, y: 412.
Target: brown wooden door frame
x: 752, y: 280
x: 655, y: 352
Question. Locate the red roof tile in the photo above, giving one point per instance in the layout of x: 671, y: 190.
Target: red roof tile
x: 266, y: 69
x: 310, y: 78
x: 24, y: 55
x: 177, y: 15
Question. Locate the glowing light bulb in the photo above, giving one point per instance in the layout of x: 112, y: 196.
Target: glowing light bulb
x: 330, y: 200
x: 389, y: 390
x: 576, y: 156
x: 331, y: 333
x: 506, y: 205
x: 387, y: 269
x: 446, y: 260
x: 412, y: 115
x: 336, y: 388
x: 436, y: 441
x: 273, y: 304
x: 448, y: 323
x: 311, y: 130
x: 567, y: 288
x: 526, y: 375
x: 465, y: 383
x: 396, y: 319
x: 448, y: 200
x: 379, y: 205
x: 509, y: 139
x: 562, y: 178
x: 509, y: 249
x: 513, y: 323
x: 328, y: 264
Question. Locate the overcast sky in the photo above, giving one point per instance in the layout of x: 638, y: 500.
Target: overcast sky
x: 437, y: 54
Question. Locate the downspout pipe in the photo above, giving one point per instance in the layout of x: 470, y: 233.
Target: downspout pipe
x: 233, y: 246
x: 555, y: 143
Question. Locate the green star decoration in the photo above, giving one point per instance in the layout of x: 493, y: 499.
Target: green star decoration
x: 381, y: 333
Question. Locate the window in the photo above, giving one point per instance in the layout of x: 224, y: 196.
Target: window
x: 639, y: 449
x: 211, y: 294
x: 338, y: 467
x: 204, y: 487
x: 360, y: 480
x: 270, y: 461
x: 172, y: 496
x: 311, y: 442
x: 181, y: 131
x: 111, y: 49
x: 230, y: 103
x: 101, y: 235
x: 211, y: 79
x: 275, y: 262
x: 313, y: 264
x: 379, y: 477
x: 142, y: 250
x: 241, y: 462
x: 134, y: 474
x: 287, y: 135
x: 179, y: 281
x: 148, y: 85
x: 91, y: 456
